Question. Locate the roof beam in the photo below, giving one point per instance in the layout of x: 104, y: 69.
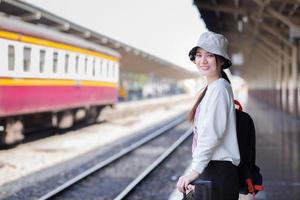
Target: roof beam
x: 270, y: 44
x: 223, y: 8
x: 287, y: 1
x: 293, y: 10
x: 277, y: 15
x: 283, y: 19
x: 274, y: 32
x: 257, y: 23
x: 262, y: 6
x: 237, y: 5
x: 229, y: 9
x: 267, y: 51
x: 283, y: 5
x: 261, y: 52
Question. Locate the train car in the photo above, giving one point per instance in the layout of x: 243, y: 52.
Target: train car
x: 51, y: 78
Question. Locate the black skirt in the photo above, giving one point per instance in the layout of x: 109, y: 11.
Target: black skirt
x: 224, y: 178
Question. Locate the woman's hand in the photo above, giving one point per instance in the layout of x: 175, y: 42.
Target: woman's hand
x: 183, y: 183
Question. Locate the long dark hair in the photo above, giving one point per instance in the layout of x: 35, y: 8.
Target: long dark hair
x: 202, y: 94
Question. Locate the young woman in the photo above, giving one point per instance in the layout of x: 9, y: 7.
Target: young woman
x: 215, y: 146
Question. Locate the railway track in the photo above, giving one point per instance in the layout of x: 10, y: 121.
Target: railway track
x: 116, y: 176
x: 124, y: 193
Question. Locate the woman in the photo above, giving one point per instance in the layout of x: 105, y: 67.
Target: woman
x: 215, y: 146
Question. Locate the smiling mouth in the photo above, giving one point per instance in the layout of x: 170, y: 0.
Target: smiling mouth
x: 204, y: 67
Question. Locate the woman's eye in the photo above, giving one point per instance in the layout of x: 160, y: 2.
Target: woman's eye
x: 211, y: 55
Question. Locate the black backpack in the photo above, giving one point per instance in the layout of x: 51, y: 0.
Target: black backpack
x: 250, y: 178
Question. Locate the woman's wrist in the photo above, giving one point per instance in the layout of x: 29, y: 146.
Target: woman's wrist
x: 193, y: 175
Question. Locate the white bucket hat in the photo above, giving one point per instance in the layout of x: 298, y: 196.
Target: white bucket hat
x: 214, y: 43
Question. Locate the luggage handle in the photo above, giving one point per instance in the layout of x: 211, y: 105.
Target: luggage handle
x: 206, y: 195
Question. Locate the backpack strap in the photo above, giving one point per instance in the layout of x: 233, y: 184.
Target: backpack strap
x: 250, y: 187
x: 253, y: 188
x: 258, y: 187
x: 236, y: 102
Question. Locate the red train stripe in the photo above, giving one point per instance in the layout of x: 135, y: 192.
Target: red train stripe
x: 30, y: 99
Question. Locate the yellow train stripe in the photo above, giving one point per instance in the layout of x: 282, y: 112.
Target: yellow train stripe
x: 9, y: 35
x: 48, y: 43
x: 95, y: 83
x: 53, y: 82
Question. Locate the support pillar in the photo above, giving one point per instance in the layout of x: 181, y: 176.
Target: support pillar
x: 286, y: 62
x: 278, y: 79
x: 293, y: 107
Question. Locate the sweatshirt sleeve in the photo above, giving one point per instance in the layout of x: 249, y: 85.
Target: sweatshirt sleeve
x: 211, y: 127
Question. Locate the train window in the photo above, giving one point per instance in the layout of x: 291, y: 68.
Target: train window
x: 107, y: 69
x: 11, y: 57
x: 85, y: 65
x: 42, y: 60
x: 27, y: 59
x: 66, y: 63
x: 115, y: 69
x: 94, y: 63
x: 113, y: 66
x: 100, y: 65
x: 55, y: 62
x: 76, y: 64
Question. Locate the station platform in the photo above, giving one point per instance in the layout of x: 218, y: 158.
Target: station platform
x: 277, y: 150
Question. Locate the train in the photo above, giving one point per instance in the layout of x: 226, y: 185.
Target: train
x: 51, y: 77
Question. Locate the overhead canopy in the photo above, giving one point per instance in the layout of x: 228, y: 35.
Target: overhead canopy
x: 253, y: 27
x: 132, y: 59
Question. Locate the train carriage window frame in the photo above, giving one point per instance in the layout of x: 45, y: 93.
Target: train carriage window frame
x: 67, y: 61
x: 101, y: 68
x: 77, y: 64
x: 117, y: 72
x: 85, y: 65
x: 113, y: 70
x: 55, y: 62
x: 104, y: 69
x: 107, y: 69
x: 94, y: 67
x: 11, y: 52
x: 42, y: 63
x: 26, y: 58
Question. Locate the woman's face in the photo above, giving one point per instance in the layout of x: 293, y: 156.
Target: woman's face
x: 206, y: 63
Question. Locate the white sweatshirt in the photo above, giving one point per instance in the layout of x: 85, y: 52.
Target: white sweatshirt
x: 216, y: 127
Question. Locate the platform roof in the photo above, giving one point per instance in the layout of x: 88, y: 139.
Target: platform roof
x: 132, y: 59
x: 253, y: 25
